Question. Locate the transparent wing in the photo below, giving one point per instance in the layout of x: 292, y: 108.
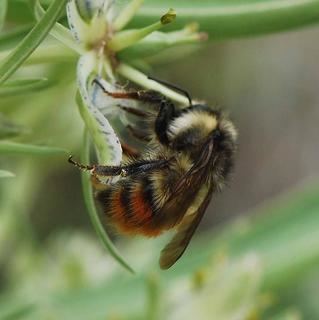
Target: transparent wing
x: 177, y: 246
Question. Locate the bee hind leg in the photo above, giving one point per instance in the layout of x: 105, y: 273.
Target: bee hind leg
x: 80, y: 165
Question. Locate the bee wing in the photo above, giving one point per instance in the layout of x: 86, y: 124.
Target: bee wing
x: 178, y: 244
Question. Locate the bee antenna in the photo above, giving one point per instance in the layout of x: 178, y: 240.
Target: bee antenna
x: 169, y: 85
x: 79, y: 165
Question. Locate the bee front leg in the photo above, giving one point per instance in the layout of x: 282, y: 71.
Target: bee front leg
x: 165, y: 115
x: 141, y: 95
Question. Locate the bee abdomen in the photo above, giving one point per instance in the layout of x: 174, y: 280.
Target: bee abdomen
x: 130, y: 205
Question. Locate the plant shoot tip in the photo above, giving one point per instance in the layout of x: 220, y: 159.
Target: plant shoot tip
x: 168, y: 17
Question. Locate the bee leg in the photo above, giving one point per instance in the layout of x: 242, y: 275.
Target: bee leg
x: 174, y: 87
x: 79, y: 165
x: 138, y: 134
x: 129, y: 150
x: 136, y: 112
x: 127, y: 170
x: 142, y: 95
x: 165, y: 115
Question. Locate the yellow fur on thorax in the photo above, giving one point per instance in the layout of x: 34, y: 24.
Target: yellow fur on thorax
x: 207, y: 122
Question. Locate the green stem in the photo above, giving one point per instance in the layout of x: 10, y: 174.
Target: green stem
x: 153, y: 297
x: 142, y: 80
x: 126, y: 38
x: 89, y: 201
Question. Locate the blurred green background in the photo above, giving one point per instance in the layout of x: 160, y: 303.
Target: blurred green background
x: 256, y: 255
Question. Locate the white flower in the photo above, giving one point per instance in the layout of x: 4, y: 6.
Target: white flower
x: 97, y: 28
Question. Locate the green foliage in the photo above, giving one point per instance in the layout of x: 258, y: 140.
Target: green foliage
x: 247, y: 246
x: 262, y: 266
x: 235, y: 18
x: 15, y: 87
x: 89, y: 200
x: 31, y: 41
x: 3, y: 12
x: 7, y: 147
x: 6, y: 174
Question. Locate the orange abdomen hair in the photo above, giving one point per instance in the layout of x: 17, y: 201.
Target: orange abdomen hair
x: 130, y: 205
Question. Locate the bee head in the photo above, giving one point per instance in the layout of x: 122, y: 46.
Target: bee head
x: 198, y: 126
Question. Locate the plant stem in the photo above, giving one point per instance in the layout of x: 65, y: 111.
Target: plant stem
x: 142, y: 80
x: 89, y: 201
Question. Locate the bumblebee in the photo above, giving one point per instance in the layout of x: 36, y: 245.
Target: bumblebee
x: 189, y: 155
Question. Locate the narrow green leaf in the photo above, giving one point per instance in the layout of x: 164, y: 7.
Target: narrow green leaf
x: 235, y: 18
x: 23, y: 86
x: 155, y: 43
x: 8, y: 147
x: 58, y: 31
x: 11, y: 37
x: 51, y: 53
x: 153, y: 297
x: 126, y: 38
x: 126, y: 14
x: 142, y: 80
x: 31, y: 41
x: 3, y: 12
x: 21, y: 312
x: 6, y: 174
x: 89, y: 201
x: 9, y: 128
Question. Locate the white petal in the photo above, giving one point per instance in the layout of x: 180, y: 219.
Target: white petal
x: 107, y: 139
x: 87, y: 20
x: 79, y: 28
x: 110, y: 106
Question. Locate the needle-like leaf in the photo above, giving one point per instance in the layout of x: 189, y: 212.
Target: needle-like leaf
x: 8, y: 147
x: 9, y: 65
